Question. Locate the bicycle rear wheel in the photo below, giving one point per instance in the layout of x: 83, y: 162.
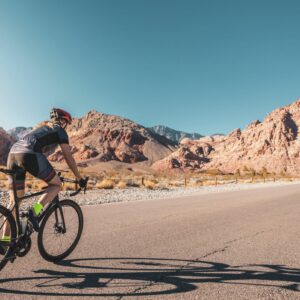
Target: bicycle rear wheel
x: 60, y: 231
x: 6, y: 248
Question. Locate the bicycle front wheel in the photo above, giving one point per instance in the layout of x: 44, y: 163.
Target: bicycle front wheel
x: 60, y: 231
x: 7, y: 228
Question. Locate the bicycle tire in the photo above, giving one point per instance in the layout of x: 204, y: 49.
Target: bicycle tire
x: 4, y: 212
x: 55, y: 209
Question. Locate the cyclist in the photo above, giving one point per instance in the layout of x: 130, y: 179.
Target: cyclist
x: 26, y: 155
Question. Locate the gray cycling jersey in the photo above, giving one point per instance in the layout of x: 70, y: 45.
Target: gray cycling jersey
x: 38, y: 139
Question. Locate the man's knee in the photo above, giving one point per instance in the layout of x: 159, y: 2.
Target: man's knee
x: 55, y: 183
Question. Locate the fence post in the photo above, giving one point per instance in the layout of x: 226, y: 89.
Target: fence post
x: 143, y: 181
x: 216, y: 180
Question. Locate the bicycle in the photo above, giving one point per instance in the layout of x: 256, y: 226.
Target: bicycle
x: 54, y: 222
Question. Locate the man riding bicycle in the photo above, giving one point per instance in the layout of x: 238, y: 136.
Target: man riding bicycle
x: 26, y: 155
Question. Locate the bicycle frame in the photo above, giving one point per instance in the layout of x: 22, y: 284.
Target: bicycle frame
x: 54, y: 202
x: 16, y: 206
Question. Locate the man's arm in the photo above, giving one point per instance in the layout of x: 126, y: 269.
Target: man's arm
x: 66, y: 151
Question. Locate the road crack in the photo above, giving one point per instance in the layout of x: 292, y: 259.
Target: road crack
x: 247, y: 237
x: 177, y: 271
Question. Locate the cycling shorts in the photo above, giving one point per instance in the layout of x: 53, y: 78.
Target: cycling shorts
x: 34, y: 163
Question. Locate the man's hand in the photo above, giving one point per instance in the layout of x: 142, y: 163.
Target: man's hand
x: 82, y: 183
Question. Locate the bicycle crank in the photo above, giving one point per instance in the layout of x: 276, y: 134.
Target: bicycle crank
x: 25, y: 247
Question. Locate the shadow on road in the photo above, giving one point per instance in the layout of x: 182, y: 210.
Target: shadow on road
x: 145, y: 277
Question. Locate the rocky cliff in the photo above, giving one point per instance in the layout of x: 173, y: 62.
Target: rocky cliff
x: 273, y: 144
x: 103, y: 137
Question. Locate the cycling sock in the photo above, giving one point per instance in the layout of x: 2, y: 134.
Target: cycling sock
x: 5, y: 238
x: 37, y: 208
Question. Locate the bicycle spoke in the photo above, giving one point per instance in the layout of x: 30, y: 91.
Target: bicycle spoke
x: 58, y: 238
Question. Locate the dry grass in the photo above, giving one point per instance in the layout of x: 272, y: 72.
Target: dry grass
x: 69, y: 187
x: 125, y: 179
x: 121, y: 185
x: 105, y: 184
x: 150, y: 184
x: 4, y: 184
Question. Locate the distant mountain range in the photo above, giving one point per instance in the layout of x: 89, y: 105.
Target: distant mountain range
x: 272, y: 145
x: 174, y: 135
x: 102, y: 137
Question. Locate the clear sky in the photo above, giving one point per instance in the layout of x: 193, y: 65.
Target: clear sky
x: 202, y: 66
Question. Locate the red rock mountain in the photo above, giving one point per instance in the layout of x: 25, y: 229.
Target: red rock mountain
x: 273, y: 144
x: 6, y: 142
x: 102, y: 137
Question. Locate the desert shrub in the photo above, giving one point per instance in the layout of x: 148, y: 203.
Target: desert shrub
x: 68, y: 187
x: 38, y: 185
x: 4, y: 184
x: 105, y: 184
x: 283, y: 173
x: 208, y: 182
x: 122, y: 185
x: 150, y: 184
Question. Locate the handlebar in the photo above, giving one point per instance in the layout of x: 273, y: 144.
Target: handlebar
x: 63, y: 179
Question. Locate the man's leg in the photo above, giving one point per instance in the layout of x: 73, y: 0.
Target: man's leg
x: 54, y: 186
x: 6, y: 227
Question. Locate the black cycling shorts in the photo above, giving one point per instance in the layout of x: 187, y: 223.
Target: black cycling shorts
x: 34, y: 163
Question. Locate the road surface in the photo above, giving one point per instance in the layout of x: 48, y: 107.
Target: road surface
x: 231, y: 245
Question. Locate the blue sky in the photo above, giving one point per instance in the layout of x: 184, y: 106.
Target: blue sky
x: 198, y: 66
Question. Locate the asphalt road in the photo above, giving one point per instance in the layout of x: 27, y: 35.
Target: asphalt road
x: 231, y: 245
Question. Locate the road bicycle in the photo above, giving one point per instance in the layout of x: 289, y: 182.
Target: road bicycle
x: 60, y: 226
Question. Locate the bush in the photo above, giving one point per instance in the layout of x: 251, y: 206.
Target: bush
x: 150, y: 184
x: 122, y: 185
x: 105, y: 184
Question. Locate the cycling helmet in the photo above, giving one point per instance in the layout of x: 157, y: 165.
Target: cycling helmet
x: 58, y: 114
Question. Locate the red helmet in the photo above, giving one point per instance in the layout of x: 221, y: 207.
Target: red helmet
x: 57, y: 113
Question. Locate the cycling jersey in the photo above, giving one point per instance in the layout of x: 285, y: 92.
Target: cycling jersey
x: 39, y: 138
